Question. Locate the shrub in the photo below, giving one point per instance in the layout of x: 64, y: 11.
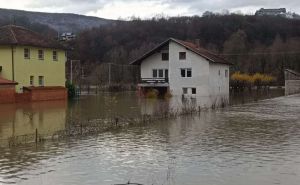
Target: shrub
x: 152, y: 93
x: 239, y: 80
x: 71, y: 89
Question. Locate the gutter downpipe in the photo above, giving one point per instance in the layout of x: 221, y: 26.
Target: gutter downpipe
x: 13, y: 63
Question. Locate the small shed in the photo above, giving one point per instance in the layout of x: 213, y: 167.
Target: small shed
x: 292, y: 82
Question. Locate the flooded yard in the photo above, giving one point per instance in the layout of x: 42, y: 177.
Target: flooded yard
x: 256, y: 140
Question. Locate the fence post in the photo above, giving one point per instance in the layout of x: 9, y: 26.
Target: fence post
x: 36, y: 135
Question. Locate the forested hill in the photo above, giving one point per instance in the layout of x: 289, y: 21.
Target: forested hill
x: 60, y: 22
x: 252, y: 43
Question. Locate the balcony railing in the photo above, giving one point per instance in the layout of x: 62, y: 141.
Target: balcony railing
x: 154, y: 80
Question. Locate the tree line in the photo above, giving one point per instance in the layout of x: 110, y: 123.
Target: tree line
x: 254, y: 44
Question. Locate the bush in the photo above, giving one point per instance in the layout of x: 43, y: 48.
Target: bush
x: 239, y: 80
x: 152, y: 93
x: 71, y: 89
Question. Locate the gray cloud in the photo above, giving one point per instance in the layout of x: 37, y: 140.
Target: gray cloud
x: 191, y: 6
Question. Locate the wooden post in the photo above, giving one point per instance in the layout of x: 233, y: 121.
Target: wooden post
x: 36, y: 135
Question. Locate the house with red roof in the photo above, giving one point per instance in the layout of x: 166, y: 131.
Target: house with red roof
x: 185, y: 69
x: 33, y: 64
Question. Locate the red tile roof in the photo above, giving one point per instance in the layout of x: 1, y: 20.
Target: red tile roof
x: 4, y: 81
x: 210, y: 56
x: 17, y: 35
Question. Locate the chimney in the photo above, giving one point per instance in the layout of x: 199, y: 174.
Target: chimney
x: 197, y: 42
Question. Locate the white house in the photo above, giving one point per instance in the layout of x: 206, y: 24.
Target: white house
x: 183, y: 68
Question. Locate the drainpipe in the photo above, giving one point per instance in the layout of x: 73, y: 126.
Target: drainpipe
x: 13, y: 63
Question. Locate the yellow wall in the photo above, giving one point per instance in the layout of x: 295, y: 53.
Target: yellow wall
x: 5, y: 62
x: 53, y: 71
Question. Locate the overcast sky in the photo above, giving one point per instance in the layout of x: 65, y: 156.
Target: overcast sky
x: 115, y: 9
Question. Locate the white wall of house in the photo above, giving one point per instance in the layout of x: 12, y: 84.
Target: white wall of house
x: 205, y: 75
x: 200, y: 72
x: 218, y: 79
x: 153, y: 62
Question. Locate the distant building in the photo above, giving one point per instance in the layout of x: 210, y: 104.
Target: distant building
x: 67, y: 36
x: 31, y: 62
x: 184, y: 69
x: 292, y: 82
x: 271, y: 12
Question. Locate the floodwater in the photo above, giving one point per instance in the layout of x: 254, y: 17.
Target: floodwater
x: 253, y: 141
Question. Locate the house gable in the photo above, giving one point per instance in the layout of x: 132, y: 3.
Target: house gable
x: 211, y: 57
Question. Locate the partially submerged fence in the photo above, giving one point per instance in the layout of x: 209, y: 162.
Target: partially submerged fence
x: 75, y: 127
x: 292, y: 82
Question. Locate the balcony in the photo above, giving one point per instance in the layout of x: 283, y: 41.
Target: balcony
x: 154, y: 82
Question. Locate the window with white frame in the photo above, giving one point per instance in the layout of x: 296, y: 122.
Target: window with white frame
x: 186, y: 72
x: 41, y: 54
x: 26, y: 53
x: 160, y: 73
x: 41, y: 80
x: 184, y: 90
x: 154, y: 73
x: 54, y: 56
x: 226, y: 73
x: 31, y: 80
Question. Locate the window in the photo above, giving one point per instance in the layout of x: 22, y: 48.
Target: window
x: 226, y: 73
x: 194, y: 91
x: 54, y: 55
x: 189, y: 72
x: 31, y: 81
x: 160, y: 73
x: 26, y: 53
x: 185, y: 90
x: 41, y: 55
x: 165, y: 56
x: 166, y: 73
x: 182, y: 72
x: 41, y: 81
x: 219, y: 73
x: 154, y: 73
x: 186, y: 72
x: 182, y: 55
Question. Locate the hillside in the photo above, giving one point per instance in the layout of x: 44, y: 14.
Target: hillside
x: 61, y: 22
x: 252, y: 43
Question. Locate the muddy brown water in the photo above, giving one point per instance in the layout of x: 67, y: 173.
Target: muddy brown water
x: 254, y: 141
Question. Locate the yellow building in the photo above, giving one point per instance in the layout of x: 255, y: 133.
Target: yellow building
x: 30, y: 59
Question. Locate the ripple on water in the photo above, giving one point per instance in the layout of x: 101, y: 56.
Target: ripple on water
x: 256, y: 143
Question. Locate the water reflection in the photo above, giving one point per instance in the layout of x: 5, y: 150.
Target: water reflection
x: 254, y: 143
x: 18, y: 120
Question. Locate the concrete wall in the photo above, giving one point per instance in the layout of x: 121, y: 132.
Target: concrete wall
x: 153, y: 62
x: 49, y: 94
x: 7, y: 94
x: 292, y: 87
x: 200, y: 72
x: 219, y: 82
x: 292, y: 82
x: 53, y: 71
